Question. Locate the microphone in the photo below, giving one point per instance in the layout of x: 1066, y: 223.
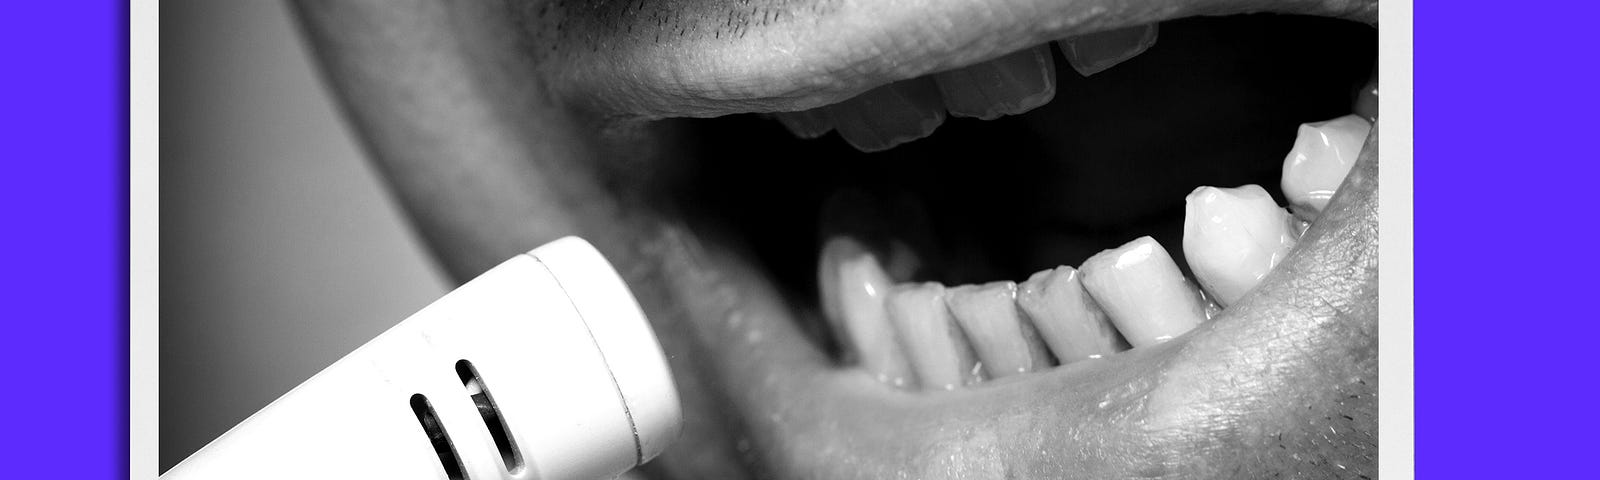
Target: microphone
x: 544, y: 367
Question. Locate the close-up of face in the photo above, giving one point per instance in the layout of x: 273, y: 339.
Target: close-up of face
x: 923, y: 238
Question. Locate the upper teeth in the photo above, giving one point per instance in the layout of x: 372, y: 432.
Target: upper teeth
x: 890, y: 115
x: 1008, y: 85
x: 1096, y: 52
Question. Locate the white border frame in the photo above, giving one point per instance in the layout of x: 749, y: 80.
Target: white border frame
x: 1396, y: 407
x: 144, y: 224
x: 1396, y: 427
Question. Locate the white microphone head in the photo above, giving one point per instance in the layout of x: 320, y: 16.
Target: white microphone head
x: 543, y: 367
x: 625, y: 338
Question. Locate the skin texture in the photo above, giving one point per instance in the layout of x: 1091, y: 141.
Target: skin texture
x: 494, y: 147
x: 713, y: 57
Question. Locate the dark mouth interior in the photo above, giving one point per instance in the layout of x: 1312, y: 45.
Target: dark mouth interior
x: 1215, y: 102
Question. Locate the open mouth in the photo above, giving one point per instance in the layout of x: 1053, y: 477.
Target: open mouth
x: 901, y: 249
x: 967, y: 277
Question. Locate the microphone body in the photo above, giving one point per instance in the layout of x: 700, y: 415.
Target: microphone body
x: 543, y: 367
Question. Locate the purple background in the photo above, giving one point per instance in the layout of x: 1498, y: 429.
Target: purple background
x: 1504, y: 144
x: 64, y: 204
x: 1506, y: 271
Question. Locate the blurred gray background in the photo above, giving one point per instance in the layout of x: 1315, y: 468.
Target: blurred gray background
x: 280, y: 249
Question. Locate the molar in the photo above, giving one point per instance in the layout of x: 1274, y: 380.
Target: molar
x: 887, y: 116
x: 1095, y: 52
x: 853, y: 287
x: 1071, y: 322
x: 939, y: 354
x: 1004, y: 342
x: 1232, y: 237
x: 1322, y: 156
x: 1009, y: 85
x: 1143, y: 292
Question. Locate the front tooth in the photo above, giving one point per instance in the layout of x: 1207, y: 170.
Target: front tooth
x: 988, y: 315
x: 1094, y: 53
x: 1008, y: 85
x: 1232, y: 237
x: 939, y: 354
x: 889, y: 115
x: 807, y: 124
x: 1143, y: 292
x: 853, y: 288
x: 1067, y: 317
x: 1322, y: 155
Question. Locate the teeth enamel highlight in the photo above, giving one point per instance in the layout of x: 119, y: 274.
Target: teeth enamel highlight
x: 939, y: 354
x: 988, y: 315
x: 896, y: 224
x: 1232, y: 237
x: 853, y: 289
x: 1366, y: 105
x: 808, y: 124
x: 1143, y: 292
x: 1322, y: 155
x: 1070, y: 321
x: 1008, y: 85
x: 1096, y: 52
x: 1212, y: 307
x: 890, y: 115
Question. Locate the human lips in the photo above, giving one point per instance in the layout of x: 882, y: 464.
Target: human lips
x: 703, y: 58
x: 1247, y: 394
x: 1283, y: 381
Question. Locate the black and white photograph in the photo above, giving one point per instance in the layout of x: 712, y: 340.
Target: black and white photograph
x: 773, y: 239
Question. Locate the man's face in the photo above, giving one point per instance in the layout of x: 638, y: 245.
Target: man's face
x: 503, y: 126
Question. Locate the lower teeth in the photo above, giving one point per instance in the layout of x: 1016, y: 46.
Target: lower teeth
x: 1071, y: 321
x: 854, y: 287
x: 1322, y: 155
x: 988, y: 315
x: 1233, y: 236
x: 1127, y: 297
x: 1143, y: 292
x: 940, y: 354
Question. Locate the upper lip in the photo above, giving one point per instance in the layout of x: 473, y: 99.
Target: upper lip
x: 809, y: 59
